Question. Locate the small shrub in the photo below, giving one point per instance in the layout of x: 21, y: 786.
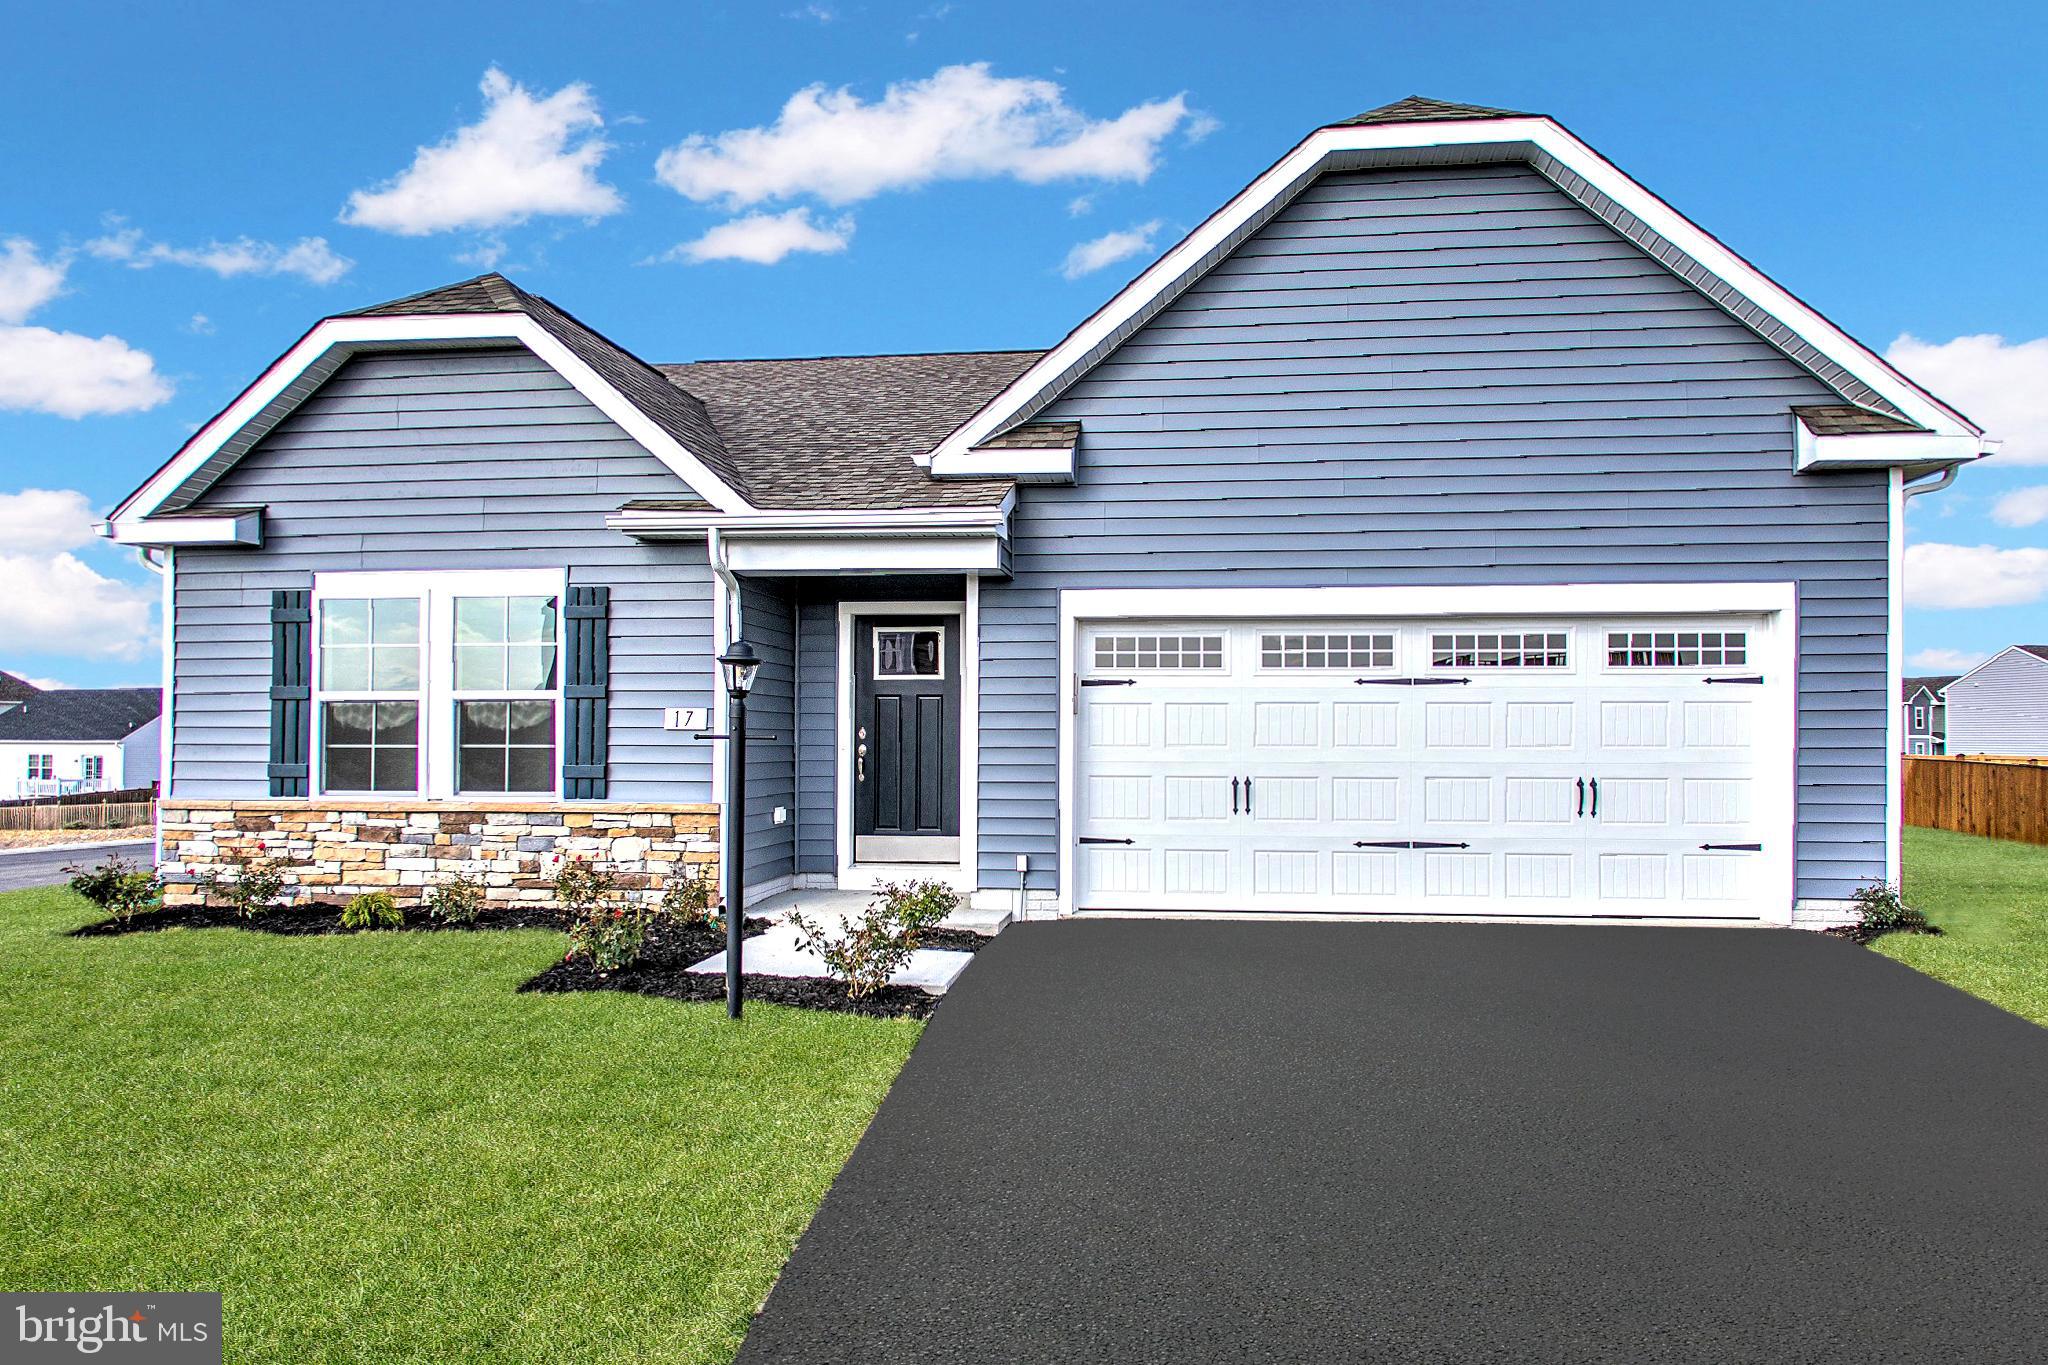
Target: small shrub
x: 256, y: 886
x: 373, y: 910
x: 689, y: 897
x: 1884, y: 911
x: 119, y: 887
x: 458, y: 900
x: 873, y: 948
x: 606, y: 927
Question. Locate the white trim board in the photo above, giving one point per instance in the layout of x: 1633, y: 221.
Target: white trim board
x: 1562, y: 158
x: 961, y: 876
x: 295, y: 375
x: 1775, y: 654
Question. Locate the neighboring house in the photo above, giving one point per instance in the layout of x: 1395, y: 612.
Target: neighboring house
x: 1921, y: 705
x: 14, y: 691
x: 68, y: 740
x: 2001, y: 705
x: 1446, y: 526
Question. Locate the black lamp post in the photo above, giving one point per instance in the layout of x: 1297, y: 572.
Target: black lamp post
x: 740, y: 664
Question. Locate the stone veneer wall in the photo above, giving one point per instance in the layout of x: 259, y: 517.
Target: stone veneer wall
x: 332, y: 850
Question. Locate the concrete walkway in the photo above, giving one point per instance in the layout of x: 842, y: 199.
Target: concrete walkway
x: 1197, y: 1141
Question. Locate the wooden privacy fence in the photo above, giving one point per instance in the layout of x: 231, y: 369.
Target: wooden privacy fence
x: 102, y: 815
x: 1999, y: 798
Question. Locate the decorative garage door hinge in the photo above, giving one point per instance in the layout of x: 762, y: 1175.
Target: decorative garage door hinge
x: 1109, y: 682
x: 1411, y: 682
x: 1733, y: 848
x: 1752, y: 678
x: 1404, y: 843
x: 1095, y: 839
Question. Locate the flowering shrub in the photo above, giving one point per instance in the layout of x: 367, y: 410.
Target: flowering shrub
x: 458, y: 900
x: 1884, y: 911
x: 119, y: 887
x: 373, y: 910
x: 605, y: 926
x: 688, y: 898
x: 870, y: 950
x: 255, y: 887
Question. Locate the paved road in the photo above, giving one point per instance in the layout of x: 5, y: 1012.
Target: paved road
x: 1160, y: 1141
x: 45, y: 867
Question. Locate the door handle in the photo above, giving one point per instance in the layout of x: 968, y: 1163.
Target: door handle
x: 1233, y: 796
x: 1596, y: 798
x: 1582, y: 796
x: 860, y: 763
x: 1247, y: 796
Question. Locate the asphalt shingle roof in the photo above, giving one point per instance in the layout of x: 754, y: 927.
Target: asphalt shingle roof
x: 13, y: 689
x: 64, y: 714
x: 1933, y: 683
x: 2038, y: 651
x: 1846, y: 419
x: 1423, y: 109
x: 844, y: 431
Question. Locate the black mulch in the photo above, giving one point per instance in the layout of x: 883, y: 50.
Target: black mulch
x: 312, y: 918
x: 663, y: 971
x: 1862, y: 933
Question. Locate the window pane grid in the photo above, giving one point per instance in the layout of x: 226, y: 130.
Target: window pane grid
x: 1159, y: 651
x: 1319, y: 650
x: 504, y: 644
x: 505, y: 746
x: 1486, y: 649
x: 1677, y: 648
x: 370, y: 746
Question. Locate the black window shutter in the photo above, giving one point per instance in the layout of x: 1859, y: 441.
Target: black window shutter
x: 291, y: 693
x: 588, y: 647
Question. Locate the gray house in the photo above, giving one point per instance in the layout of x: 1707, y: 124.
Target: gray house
x: 1925, y: 715
x: 2001, y: 705
x: 1446, y: 526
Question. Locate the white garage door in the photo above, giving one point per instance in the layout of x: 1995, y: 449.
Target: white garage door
x: 1568, y: 768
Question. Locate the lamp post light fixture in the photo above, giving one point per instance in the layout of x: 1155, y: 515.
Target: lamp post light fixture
x: 739, y: 663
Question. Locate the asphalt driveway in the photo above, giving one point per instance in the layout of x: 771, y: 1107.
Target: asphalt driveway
x: 45, y: 866
x: 1205, y: 1141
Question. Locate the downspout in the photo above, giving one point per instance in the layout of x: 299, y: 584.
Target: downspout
x: 1941, y: 480
x: 166, y: 721
x: 715, y: 551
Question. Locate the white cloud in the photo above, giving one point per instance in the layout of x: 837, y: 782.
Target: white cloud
x: 2001, y: 385
x: 765, y: 238
x: 961, y: 123
x: 823, y: 14
x: 1079, y: 205
x: 527, y: 155
x: 1945, y: 661
x: 53, y: 602
x: 201, y: 325
x: 309, y: 258
x: 2022, y: 507
x: 63, y: 373
x: 48, y: 684
x: 1091, y: 256
x: 1941, y: 576
x: 27, y: 281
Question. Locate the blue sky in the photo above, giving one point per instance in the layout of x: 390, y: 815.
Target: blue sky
x: 188, y: 187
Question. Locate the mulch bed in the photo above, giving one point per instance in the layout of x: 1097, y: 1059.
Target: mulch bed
x: 313, y: 918
x: 663, y: 971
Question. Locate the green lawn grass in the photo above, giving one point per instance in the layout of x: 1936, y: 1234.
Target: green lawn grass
x: 378, y: 1151
x: 1990, y: 899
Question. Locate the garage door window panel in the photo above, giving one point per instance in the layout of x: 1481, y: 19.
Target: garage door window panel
x: 1497, y: 649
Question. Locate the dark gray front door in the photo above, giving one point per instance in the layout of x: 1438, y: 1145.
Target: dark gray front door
x: 906, y: 739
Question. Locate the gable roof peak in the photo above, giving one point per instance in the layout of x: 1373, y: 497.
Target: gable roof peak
x: 486, y: 293
x: 1425, y: 109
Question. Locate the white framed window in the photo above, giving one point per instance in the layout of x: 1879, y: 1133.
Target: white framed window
x: 1677, y: 648
x: 1495, y: 649
x: 1323, y: 649
x: 42, y: 767
x: 1163, y: 652
x: 1919, y: 718
x: 438, y: 683
x: 909, y: 652
x: 1919, y: 746
x: 92, y: 767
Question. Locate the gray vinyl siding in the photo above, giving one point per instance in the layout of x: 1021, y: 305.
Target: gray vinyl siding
x: 2002, y: 708
x: 817, y: 649
x: 1446, y: 376
x: 443, y: 460
x: 767, y: 623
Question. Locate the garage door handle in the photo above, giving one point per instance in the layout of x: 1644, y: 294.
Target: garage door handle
x: 1247, y: 796
x: 1411, y: 682
x: 1752, y: 678
x: 1094, y: 839
x: 1404, y: 843
x: 1596, y: 798
x: 1233, y: 796
x: 1582, y: 796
